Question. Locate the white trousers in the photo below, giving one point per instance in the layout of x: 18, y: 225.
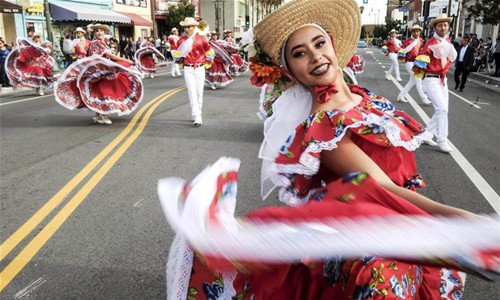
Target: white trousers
x: 175, y: 71
x: 413, y: 81
x: 195, y: 79
x: 438, y: 95
x: 393, y: 57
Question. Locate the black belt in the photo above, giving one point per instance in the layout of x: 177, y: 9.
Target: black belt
x: 192, y: 65
x: 431, y: 75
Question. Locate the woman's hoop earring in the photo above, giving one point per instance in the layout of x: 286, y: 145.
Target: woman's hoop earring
x: 340, y: 70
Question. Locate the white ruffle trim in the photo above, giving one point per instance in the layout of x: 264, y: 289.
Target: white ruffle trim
x: 309, y: 165
x: 179, y: 265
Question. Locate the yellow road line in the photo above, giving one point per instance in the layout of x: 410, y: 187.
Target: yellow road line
x: 48, y: 207
x: 25, y: 256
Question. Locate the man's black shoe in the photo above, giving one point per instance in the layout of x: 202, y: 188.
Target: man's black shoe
x: 456, y: 86
x: 461, y: 90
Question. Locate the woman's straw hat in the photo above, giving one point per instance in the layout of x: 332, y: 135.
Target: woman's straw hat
x: 416, y: 27
x: 340, y: 18
x: 440, y: 18
x: 100, y: 26
x: 188, y: 21
x: 80, y: 29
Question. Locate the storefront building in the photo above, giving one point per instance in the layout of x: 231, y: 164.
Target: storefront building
x: 139, y: 12
x: 11, y: 21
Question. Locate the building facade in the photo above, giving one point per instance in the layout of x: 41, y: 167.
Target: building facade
x: 140, y: 13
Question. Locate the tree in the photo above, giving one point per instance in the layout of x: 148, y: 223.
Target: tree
x: 363, y: 32
x: 485, y: 11
x: 177, y: 13
x: 380, y: 31
x: 392, y: 24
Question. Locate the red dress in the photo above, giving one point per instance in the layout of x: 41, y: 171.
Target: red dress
x: 218, y: 73
x: 28, y: 65
x: 99, y: 84
x: 144, y: 58
x: 388, y: 136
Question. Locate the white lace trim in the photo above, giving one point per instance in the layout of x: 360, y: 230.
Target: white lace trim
x: 229, y: 291
x: 309, y: 165
x: 179, y: 265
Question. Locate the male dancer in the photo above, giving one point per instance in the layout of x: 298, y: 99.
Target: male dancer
x: 442, y: 53
x: 412, y: 46
x: 82, y: 44
x: 196, y: 54
x: 173, y: 39
x: 393, y: 45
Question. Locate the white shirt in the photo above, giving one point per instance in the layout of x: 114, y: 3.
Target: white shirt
x: 462, y: 53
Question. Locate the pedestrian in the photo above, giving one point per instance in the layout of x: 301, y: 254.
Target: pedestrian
x: 463, y: 64
x: 441, y: 54
x: 133, y: 46
x: 412, y: 47
x: 393, y: 46
x: 68, y: 49
x: 496, y: 54
x: 82, y: 44
x: 173, y: 39
x: 144, y: 59
x: 193, y: 51
x: 29, y: 64
x: 4, y: 51
x: 474, y: 42
x: 322, y: 132
x: 103, y: 82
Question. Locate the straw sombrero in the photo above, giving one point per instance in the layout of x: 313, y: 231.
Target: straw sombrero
x: 440, y: 18
x: 188, y: 21
x: 340, y: 18
x: 80, y: 29
x: 393, y: 31
x: 100, y: 26
x: 416, y: 27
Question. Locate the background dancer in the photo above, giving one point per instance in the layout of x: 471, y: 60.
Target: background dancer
x: 29, y: 64
x: 144, y: 57
x: 218, y: 73
x: 195, y: 54
x: 82, y: 44
x: 104, y: 82
x: 412, y: 47
x: 441, y: 54
x: 173, y: 39
x: 393, y: 46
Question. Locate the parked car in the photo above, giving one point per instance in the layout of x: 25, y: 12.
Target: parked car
x: 362, y: 43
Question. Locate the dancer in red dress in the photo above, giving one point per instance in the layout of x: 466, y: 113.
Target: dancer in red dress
x: 29, y: 63
x: 144, y: 57
x: 338, y: 154
x: 239, y: 65
x: 218, y: 73
x: 102, y: 82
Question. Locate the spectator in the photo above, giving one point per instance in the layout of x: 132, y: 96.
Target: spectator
x: 4, y: 51
x: 496, y: 54
x: 463, y: 64
x: 474, y: 42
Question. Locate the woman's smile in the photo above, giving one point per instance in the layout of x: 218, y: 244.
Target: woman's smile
x: 320, y: 70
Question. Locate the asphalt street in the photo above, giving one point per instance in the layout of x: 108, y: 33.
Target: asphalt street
x: 80, y: 216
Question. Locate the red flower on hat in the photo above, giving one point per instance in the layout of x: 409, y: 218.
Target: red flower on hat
x: 263, y: 74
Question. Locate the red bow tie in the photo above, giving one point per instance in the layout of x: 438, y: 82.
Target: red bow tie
x: 323, y: 92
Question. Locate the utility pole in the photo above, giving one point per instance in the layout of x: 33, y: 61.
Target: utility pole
x: 48, y: 18
x: 153, y: 12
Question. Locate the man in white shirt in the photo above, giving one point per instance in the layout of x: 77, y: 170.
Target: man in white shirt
x: 463, y: 63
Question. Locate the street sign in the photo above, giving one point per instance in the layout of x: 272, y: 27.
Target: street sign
x: 404, y: 9
x: 440, y: 6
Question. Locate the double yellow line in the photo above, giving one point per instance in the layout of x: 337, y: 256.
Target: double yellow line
x: 20, y: 261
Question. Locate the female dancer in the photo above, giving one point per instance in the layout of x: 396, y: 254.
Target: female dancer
x: 338, y: 153
x: 239, y: 65
x: 144, y: 57
x: 29, y: 63
x: 103, y: 82
x: 218, y: 73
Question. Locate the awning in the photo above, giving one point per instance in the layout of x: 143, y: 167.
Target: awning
x: 8, y: 7
x: 138, y: 20
x: 61, y: 11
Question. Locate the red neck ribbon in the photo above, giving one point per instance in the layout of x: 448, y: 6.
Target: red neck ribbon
x: 323, y: 92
